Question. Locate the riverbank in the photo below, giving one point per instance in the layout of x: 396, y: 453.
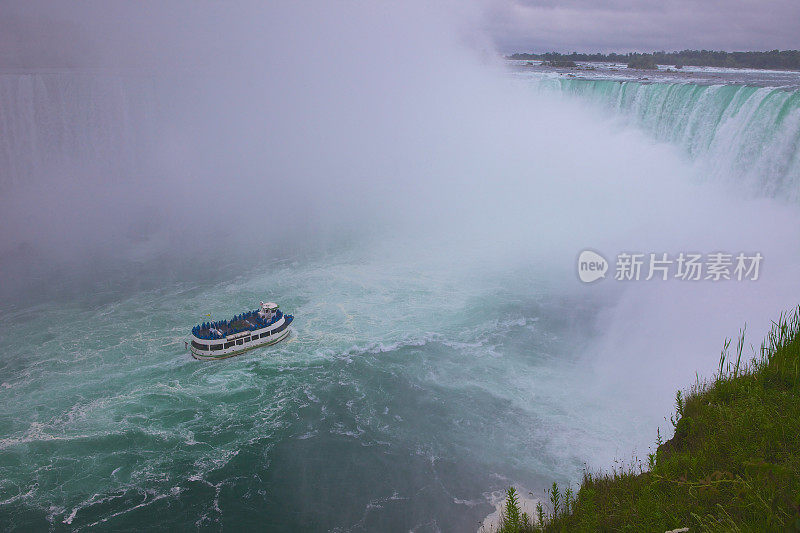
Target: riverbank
x: 772, y: 59
x: 733, y: 463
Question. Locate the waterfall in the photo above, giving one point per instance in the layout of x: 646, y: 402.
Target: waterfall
x: 53, y: 123
x: 747, y: 136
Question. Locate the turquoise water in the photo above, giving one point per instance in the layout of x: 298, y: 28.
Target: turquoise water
x: 746, y: 137
x: 405, y: 395
x: 417, y: 381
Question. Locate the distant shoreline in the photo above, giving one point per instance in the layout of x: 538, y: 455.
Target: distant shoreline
x: 770, y: 60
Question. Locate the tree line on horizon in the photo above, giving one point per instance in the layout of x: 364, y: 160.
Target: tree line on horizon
x: 773, y: 59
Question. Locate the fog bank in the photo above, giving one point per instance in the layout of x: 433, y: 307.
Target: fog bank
x: 195, y: 134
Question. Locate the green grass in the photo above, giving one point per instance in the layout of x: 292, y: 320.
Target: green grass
x: 733, y: 463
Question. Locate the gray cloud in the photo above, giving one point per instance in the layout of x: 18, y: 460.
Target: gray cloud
x: 644, y: 25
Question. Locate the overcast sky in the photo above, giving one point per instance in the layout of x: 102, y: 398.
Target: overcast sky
x: 643, y: 25
x: 105, y: 32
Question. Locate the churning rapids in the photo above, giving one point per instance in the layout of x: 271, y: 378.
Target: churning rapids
x: 425, y: 371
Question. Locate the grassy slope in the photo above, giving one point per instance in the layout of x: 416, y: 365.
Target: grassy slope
x: 732, y: 465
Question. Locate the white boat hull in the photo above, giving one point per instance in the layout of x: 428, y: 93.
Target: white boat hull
x: 207, y: 350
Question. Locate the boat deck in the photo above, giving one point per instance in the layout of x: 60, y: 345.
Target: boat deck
x: 240, y: 323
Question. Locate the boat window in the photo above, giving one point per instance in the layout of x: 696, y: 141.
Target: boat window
x: 216, y: 347
x: 247, y: 339
x: 239, y: 341
x: 229, y: 344
x: 200, y: 346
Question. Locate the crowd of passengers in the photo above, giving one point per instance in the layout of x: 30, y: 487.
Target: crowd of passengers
x: 218, y: 330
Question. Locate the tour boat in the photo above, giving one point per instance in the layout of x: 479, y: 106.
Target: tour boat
x: 218, y: 340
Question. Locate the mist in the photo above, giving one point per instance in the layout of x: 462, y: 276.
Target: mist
x: 241, y: 134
